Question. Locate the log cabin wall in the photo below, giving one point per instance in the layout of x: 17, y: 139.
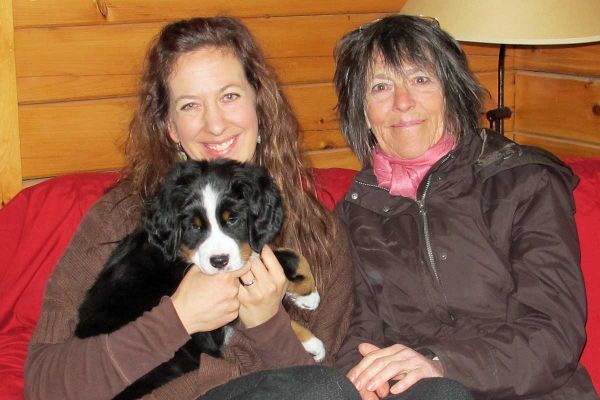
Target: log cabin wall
x: 71, y: 68
x: 557, y: 98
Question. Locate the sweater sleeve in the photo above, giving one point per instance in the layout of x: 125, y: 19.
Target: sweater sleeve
x: 537, y: 348
x: 62, y: 366
x: 102, y: 366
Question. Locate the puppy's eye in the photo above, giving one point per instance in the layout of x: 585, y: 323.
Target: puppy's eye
x: 229, y: 218
x: 197, y: 223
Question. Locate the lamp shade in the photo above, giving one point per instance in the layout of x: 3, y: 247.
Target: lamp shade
x: 527, y: 22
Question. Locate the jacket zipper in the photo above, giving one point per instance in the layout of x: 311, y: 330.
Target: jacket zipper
x: 423, y: 213
x: 428, y: 245
x: 426, y: 233
x: 373, y: 186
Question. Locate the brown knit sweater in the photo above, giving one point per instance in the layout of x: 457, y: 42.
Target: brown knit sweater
x: 61, y: 366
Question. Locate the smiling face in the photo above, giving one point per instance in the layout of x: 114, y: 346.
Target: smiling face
x: 405, y: 109
x: 212, y: 110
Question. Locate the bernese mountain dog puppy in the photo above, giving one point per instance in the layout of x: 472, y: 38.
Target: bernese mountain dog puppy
x: 211, y: 215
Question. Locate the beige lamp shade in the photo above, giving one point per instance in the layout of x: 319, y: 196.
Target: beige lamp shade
x: 528, y: 22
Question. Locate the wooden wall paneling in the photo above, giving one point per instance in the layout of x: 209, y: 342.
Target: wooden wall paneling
x: 10, y: 155
x: 327, y: 139
x: 304, y: 69
x: 39, y: 89
x: 75, y: 136
x: 43, y: 89
x: 299, y: 36
x: 63, y: 137
x: 314, y: 105
x: 83, y: 50
x: 582, y: 60
x: 338, y: 158
x: 484, y: 57
x: 93, y: 12
x: 46, y: 73
x: 556, y: 106
x: 559, y: 147
x: 480, y: 63
x: 69, y: 63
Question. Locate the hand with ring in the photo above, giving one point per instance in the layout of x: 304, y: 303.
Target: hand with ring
x: 262, y: 289
x: 249, y: 280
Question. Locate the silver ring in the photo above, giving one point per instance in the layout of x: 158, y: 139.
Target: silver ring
x: 252, y: 282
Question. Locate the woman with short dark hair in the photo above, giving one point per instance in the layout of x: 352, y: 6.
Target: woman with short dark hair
x: 464, y: 242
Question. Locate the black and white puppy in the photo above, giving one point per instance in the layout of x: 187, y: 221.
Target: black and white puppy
x: 208, y: 214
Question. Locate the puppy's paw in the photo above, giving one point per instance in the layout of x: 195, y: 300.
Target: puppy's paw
x: 315, y: 347
x: 308, y: 302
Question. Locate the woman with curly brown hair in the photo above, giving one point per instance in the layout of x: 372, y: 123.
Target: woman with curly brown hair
x: 206, y: 93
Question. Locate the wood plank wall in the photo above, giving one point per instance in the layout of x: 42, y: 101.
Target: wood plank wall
x: 557, y: 98
x: 77, y: 64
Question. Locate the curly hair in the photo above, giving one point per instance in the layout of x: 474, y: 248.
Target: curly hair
x: 400, y: 40
x: 150, y: 152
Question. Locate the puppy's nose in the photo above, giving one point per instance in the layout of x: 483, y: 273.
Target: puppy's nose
x: 219, y: 261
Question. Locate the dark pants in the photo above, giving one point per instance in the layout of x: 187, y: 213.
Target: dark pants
x: 323, y: 383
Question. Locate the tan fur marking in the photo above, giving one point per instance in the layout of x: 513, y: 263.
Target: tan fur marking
x: 245, y: 251
x: 305, y: 286
x: 225, y: 215
x: 186, y: 252
x: 301, y: 332
x: 198, y: 222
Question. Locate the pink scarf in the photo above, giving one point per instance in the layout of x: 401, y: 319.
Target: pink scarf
x: 403, y: 176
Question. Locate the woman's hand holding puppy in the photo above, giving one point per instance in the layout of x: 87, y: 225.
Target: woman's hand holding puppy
x: 205, y: 302
x: 260, y: 300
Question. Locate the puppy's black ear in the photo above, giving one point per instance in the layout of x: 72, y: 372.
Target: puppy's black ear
x: 265, y: 209
x: 161, y: 213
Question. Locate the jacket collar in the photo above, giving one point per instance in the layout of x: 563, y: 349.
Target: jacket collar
x: 485, y: 153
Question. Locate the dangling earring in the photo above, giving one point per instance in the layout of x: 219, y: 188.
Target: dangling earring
x: 259, y: 139
x: 180, y: 153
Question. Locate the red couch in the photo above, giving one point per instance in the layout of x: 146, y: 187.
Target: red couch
x: 37, y: 225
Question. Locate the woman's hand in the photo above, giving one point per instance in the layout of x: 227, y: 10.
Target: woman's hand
x: 262, y: 289
x: 205, y: 302
x: 397, y: 362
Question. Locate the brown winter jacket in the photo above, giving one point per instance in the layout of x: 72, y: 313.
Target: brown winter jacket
x: 483, y: 270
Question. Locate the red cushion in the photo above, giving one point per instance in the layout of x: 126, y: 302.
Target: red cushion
x: 587, y: 216
x: 331, y: 184
x: 35, y: 227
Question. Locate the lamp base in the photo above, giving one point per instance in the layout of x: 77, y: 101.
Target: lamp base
x: 496, y: 118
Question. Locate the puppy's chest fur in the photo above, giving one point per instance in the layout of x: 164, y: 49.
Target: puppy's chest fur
x: 207, y: 215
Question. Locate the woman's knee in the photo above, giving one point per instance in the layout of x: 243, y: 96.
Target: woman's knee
x: 317, y: 383
x: 297, y: 383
